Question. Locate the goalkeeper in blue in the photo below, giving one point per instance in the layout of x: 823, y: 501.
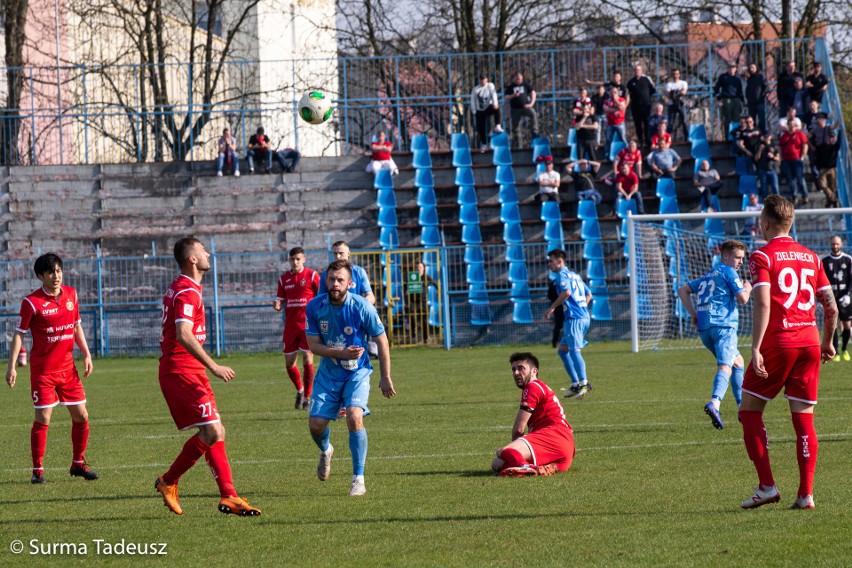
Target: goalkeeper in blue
x: 574, y: 296
x: 715, y: 313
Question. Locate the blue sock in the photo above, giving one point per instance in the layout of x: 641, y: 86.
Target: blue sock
x: 579, y: 364
x: 322, y: 440
x: 358, y: 448
x: 720, y: 384
x: 737, y: 383
x: 569, y: 366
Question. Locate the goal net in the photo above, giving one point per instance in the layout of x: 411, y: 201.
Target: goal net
x: 666, y: 251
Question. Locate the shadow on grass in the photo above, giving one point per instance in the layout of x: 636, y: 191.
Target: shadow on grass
x: 452, y: 473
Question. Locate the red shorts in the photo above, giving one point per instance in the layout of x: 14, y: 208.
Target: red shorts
x: 295, y: 339
x: 551, y: 445
x: 796, y: 370
x: 190, y: 399
x: 50, y: 389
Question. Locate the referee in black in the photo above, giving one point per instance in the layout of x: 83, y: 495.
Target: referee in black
x: 838, y: 269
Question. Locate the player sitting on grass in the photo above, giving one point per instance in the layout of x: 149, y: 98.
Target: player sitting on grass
x: 549, y: 445
x: 716, y: 316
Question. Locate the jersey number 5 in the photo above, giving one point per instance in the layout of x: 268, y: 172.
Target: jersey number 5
x: 790, y: 284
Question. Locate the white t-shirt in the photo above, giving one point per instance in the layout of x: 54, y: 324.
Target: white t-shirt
x: 677, y: 86
x: 549, y: 176
x: 483, y: 97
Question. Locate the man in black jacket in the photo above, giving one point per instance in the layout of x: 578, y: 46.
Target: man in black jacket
x: 729, y: 91
x: 642, y: 91
x: 755, y: 92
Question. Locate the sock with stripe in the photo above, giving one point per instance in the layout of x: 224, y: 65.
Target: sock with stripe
x: 757, y: 445
x: 807, y: 447
x: 220, y: 467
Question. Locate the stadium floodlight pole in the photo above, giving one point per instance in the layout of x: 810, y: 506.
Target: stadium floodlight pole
x: 634, y: 293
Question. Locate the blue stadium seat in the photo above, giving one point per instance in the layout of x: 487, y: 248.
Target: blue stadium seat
x: 461, y: 158
x: 697, y: 132
x: 502, y: 156
x: 573, y: 154
x: 615, y: 148
x: 553, y: 233
x: 467, y: 195
x: 518, y: 272
x: 459, y: 140
x: 386, y: 198
x: 477, y: 294
x: 590, y: 229
x: 426, y: 196
x: 513, y: 234
x: 550, y: 211
x: 522, y: 312
x: 623, y: 231
x: 387, y: 217
x: 388, y: 238
x: 622, y: 206
x: 428, y: 216
x: 714, y: 227
x: 464, y: 176
x: 748, y: 184
x: 498, y: 140
x: 430, y: 258
x: 666, y: 188
x: 668, y: 206
x: 430, y: 236
x: 586, y: 209
x: 593, y: 250
x: 515, y: 253
x: 468, y: 214
x: 595, y: 270
x: 471, y: 235
x: 538, y: 140
x: 423, y: 178
x: 700, y: 149
x: 520, y: 290
x: 510, y: 213
x: 540, y: 150
x: 475, y: 273
x: 572, y: 137
x: 473, y: 254
x: 419, y: 142
x: 383, y: 180
x: 731, y: 127
x: 434, y: 314
x: 601, y: 310
x: 540, y: 168
x: 742, y: 165
x: 598, y: 288
x: 508, y: 194
x: 480, y: 314
x: 421, y: 159
x: 505, y: 175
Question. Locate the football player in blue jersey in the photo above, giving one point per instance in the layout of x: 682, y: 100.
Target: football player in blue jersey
x: 574, y: 296
x: 339, y: 324
x: 716, y: 316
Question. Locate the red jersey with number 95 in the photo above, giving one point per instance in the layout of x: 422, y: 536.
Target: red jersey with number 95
x: 539, y: 400
x: 794, y: 275
x: 182, y: 303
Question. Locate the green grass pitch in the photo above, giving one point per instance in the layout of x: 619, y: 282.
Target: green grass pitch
x: 652, y: 484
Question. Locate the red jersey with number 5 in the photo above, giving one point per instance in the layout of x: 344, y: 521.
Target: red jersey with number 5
x: 296, y: 289
x: 794, y: 275
x: 539, y: 400
x: 182, y: 303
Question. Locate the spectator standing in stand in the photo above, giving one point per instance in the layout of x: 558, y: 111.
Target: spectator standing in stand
x: 786, y: 81
x: 675, y: 97
x: 816, y: 83
x: 485, y: 104
x: 521, y: 96
x: 729, y: 90
x: 755, y: 91
x: 642, y: 91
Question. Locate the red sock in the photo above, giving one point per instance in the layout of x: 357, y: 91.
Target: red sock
x: 757, y: 445
x: 220, y: 467
x: 512, y: 458
x: 79, y: 440
x: 807, y: 447
x: 309, y: 379
x: 293, y: 373
x: 38, y: 444
x: 193, y: 449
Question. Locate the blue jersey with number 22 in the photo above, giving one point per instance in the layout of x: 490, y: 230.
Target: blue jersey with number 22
x: 716, y: 297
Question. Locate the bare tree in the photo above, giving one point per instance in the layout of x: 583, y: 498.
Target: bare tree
x: 14, y: 23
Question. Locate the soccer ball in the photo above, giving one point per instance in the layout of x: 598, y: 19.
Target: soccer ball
x: 315, y: 107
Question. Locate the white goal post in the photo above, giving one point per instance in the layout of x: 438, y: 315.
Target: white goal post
x: 666, y: 251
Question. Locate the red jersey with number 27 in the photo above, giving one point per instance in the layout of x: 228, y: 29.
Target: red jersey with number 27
x: 182, y: 303
x: 296, y: 289
x: 794, y: 275
x: 539, y: 400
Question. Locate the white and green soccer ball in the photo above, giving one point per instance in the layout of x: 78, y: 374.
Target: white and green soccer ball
x: 315, y: 107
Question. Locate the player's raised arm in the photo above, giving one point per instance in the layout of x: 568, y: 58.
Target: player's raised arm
x: 187, y: 339
x: 825, y: 297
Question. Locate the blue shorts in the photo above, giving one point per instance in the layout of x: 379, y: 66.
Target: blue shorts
x: 330, y: 396
x: 574, y: 331
x: 722, y: 343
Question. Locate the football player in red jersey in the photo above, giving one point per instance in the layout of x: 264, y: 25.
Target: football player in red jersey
x: 788, y: 280
x: 185, y: 385
x: 548, y: 447
x: 296, y: 288
x: 52, y: 315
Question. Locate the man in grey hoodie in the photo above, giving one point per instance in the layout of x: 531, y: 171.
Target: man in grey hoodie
x: 484, y: 104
